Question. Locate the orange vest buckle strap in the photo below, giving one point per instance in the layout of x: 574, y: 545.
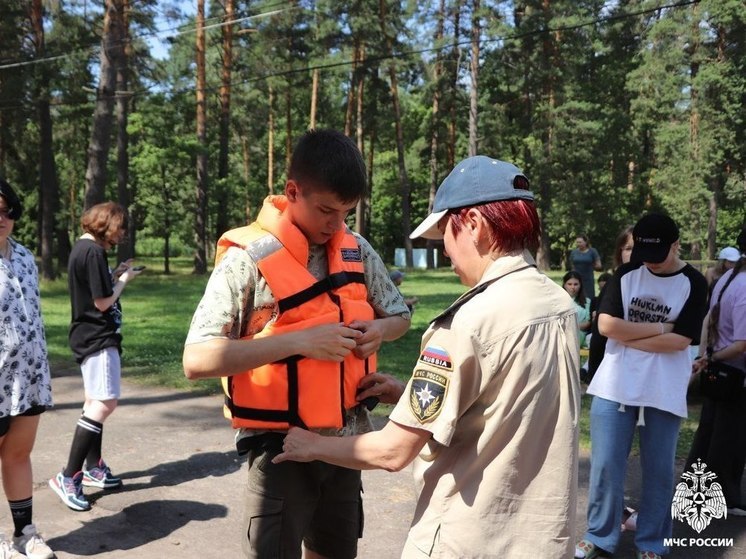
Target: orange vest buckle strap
x: 289, y: 416
x: 328, y: 284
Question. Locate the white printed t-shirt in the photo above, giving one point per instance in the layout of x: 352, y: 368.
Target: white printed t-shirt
x: 641, y: 378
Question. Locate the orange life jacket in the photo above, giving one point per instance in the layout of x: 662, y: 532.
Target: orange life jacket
x: 298, y: 390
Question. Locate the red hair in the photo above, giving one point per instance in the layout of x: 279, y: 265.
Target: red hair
x: 514, y: 224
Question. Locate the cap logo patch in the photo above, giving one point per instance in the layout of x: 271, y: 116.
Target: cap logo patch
x: 437, y: 357
x: 351, y: 255
x: 426, y: 395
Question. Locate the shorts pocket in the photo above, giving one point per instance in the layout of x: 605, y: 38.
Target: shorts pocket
x: 264, y: 530
x: 425, y: 538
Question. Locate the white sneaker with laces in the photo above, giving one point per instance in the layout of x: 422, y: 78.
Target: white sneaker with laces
x: 7, y: 551
x: 32, y: 545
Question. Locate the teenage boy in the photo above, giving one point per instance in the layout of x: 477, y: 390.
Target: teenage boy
x: 291, y: 319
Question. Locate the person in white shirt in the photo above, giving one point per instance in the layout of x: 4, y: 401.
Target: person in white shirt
x: 653, y: 309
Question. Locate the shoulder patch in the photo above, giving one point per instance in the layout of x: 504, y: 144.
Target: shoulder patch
x: 437, y: 357
x: 426, y: 395
x: 351, y: 255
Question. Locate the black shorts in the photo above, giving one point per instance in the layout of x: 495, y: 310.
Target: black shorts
x: 5, y: 421
x: 294, y: 503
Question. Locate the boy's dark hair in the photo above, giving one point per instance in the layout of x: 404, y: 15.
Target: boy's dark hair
x: 15, y: 208
x: 606, y: 276
x: 329, y: 160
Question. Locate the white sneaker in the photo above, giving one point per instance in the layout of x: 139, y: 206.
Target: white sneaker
x: 32, y: 545
x: 7, y: 551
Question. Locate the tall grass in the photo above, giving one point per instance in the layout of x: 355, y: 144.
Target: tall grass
x: 158, y: 309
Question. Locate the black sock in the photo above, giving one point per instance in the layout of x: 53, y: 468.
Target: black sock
x: 21, y: 513
x: 94, y: 451
x: 86, y: 433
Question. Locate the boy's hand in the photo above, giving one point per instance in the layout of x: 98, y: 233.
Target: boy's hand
x: 329, y: 342
x: 385, y: 387
x: 370, y: 340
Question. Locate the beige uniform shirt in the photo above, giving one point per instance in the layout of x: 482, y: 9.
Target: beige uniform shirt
x: 496, y: 384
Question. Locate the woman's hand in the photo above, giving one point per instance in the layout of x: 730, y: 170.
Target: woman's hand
x: 297, y: 446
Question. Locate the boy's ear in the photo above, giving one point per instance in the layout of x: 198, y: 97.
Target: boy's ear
x: 292, y: 190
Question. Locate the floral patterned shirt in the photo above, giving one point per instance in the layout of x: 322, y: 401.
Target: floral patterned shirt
x: 24, y: 369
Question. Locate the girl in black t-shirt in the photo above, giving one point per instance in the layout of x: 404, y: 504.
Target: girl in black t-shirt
x: 95, y: 339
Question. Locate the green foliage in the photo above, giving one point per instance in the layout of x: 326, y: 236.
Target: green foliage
x: 611, y: 108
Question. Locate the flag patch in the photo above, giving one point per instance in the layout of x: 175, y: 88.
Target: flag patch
x: 437, y: 357
x: 426, y: 394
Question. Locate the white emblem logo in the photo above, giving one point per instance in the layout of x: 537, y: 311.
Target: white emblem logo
x: 698, y: 499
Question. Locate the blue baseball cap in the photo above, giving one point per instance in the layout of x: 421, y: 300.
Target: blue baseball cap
x: 476, y: 180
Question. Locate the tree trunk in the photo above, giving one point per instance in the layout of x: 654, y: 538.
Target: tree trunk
x: 49, y: 188
x: 403, y: 178
x: 435, y: 124
x: 476, y: 30
x: 126, y: 249
x: 542, y: 255
x: 349, y: 112
x: 245, y: 157
x: 456, y: 54
x: 314, y: 98
x: 288, y: 124
x: 361, y: 210
x: 221, y: 193
x: 98, y: 148
x: 371, y: 149
x: 271, y: 144
x: 200, y: 219
x: 166, y: 225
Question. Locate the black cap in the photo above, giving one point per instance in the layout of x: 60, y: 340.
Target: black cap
x: 653, y: 236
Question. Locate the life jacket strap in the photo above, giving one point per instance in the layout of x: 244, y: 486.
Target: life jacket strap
x: 329, y: 283
x: 289, y: 416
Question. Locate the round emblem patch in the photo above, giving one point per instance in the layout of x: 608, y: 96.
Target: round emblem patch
x: 426, y: 395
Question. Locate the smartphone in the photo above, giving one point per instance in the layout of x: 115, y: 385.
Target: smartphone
x: 138, y: 268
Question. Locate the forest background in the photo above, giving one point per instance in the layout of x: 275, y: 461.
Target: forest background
x: 611, y: 108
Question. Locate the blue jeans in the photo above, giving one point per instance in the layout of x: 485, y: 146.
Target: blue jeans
x: 612, y: 432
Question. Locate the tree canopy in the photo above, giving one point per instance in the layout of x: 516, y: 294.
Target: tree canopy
x: 612, y: 109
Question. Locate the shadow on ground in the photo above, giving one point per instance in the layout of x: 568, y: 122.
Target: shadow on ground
x: 135, y: 526
x: 197, y: 466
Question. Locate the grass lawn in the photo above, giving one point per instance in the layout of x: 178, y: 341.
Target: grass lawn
x: 158, y: 309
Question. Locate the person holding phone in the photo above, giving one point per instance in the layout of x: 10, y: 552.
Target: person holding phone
x: 96, y: 341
